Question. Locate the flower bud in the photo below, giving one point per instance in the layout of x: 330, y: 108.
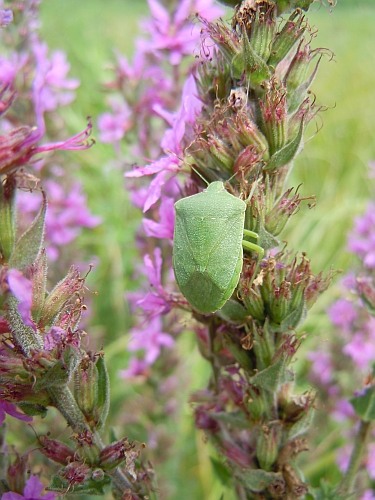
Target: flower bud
x: 16, y: 476
x: 252, y: 300
x: 284, y: 41
x: 249, y: 134
x: 7, y: 218
x: 85, y: 386
x: 267, y: 448
x: 274, y: 116
x: 366, y: 290
x: 64, y: 292
x: 220, y: 153
x: 114, y: 454
x: 284, y: 208
x: 56, y: 450
x: 254, y: 402
x: 248, y: 62
x: 260, y: 22
x: 263, y: 344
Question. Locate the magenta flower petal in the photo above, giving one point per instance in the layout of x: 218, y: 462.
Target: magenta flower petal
x: 22, y: 289
x: 13, y: 411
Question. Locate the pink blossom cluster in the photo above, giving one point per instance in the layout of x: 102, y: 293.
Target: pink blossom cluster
x: 35, y: 82
x: 155, y: 100
x: 67, y: 214
x: 352, y: 348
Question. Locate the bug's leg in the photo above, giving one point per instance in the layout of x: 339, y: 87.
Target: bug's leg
x: 255, y: 248
x: 246, y: 232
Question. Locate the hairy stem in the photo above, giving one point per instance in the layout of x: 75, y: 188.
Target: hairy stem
x: 64, y: 401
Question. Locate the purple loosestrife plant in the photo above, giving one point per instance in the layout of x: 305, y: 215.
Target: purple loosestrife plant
x: 42, y: 85
x: 153, y: 104
x: 43, y: 361
x: 244, y: 106
x: 343, y: 367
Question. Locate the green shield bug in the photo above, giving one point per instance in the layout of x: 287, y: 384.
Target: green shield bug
x: 208, y: 241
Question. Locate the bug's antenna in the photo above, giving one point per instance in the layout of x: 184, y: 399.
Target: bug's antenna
x: 199, y: 175
x: 191, y: 166
x: 253, y: 188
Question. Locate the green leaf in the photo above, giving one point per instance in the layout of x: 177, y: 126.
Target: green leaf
x: 327, y: 491
x: 364, y: 404
x: 31, y: 242
x: 38, y: 274
x: 256, y: 69
x: 8, y: 213
x: 273, y: 377
x: 33, y: 409
x: 293, y: 320
x: 232, y: 312
x: 296, y: 97
x: 60, y: 373
x: 103, y: 393
x: 257, y: 480
x: 302, y: 425
x: 235, y: 419
x: 241, y: 355
x: 89, y: 487
x: 221, y: 471
x: 286, y: 154
x: 57, y: 375
x: 266, y: 240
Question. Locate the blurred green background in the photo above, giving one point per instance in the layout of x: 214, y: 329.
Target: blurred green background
x: 333, y: 167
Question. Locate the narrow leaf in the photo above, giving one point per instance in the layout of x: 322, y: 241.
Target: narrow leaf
x: 364, y: 404
x: 273, y: 377
x: 221, y: 471
x: 102, y: 406
x: 7, y: 218
x: 286, y: 154
x: 30, y: 243
x: 257, y: 480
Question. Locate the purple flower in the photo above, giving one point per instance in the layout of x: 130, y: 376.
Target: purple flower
x: 19, y: 146
x: 13, y: 411
x: 370, y: 462
x: 156, y: 302
x: 6, y: 17
x: 54, y: 337
x: 343, y: 457
x: 67, y: 214
x: 150, y: 338
x: 343, y: 411
x: 342, y: 313
x: 137, y: 368
x: 171, y: 143
x: 51, y: 78
x: 368, y: 495
x: 174, y: 33
x: 32, y: 491
x: 113, y: 126
x: 165, y: 227
x: 22, y: 289
x: 361, y: 350
x: 9, y: 68
x: 361, y: 240
x: 321, y: 369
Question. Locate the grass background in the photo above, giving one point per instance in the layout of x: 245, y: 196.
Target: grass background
x: 333, y: 167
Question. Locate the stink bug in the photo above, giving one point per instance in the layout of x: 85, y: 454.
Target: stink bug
x: 208, y: 241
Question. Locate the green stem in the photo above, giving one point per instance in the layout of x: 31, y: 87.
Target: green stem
x: 348, y: 481
x: 64, y: 401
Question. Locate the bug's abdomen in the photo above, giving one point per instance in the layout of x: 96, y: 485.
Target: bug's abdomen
x: 208, y: 258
